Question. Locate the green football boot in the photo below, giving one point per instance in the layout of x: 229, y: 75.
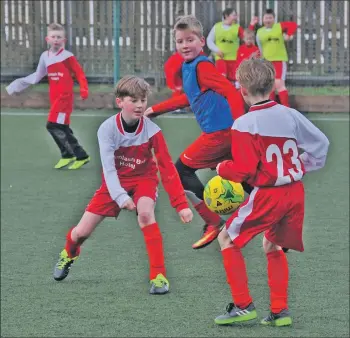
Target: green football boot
x: 234, y: 314
x: 63, y: 265
x: 282, y: 318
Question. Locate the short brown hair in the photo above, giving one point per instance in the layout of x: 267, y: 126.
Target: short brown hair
x: 227, y: 12
x: 257, y: 76
x: 133, y: 86
x: 55, y: 27
x: 189, y: 22
x: 270, y: 11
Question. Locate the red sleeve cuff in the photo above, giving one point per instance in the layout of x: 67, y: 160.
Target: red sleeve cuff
x: 181, y: 206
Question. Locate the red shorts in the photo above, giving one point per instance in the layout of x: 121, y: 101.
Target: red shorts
x: 280, y: 69
x: 277, y: 211
x: 208, y: 150
x: 227, y: 68
x: 102, y: 203
x: 61, y: 109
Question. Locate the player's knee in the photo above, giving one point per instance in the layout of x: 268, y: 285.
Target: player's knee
x: 224, y: 239
x: 269, y: 246
x: 145, y: 218
x: 80, y: 235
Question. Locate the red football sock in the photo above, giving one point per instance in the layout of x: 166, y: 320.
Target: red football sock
x: 272, y: 96
x: 208, y: 216
x: 72, y: 248
x: 284, y: 98
x: 277, y: 272
x: 236, y: 274
x: 154, y: 247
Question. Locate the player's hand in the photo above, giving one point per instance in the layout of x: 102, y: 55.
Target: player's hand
x: 254, y: 20
x: 287, y: 37
x: 84, y: 94
x: 220, y: 54
x: 129, y: 205
x: 149, y: 111
x: 186, y: 215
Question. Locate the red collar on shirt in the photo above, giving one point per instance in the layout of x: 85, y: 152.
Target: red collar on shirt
x: 59, y: 52
x: 120, y: 124
x: 263, y: 105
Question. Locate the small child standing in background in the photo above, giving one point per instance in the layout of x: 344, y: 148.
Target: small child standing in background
x: 247, y: 50
x: 59, y: 65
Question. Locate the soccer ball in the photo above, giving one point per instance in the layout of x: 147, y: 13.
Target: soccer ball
x: 223, y: 196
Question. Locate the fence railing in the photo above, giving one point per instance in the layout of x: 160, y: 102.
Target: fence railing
x: 319, y: 50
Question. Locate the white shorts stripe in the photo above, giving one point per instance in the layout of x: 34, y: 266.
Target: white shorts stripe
x: 61, y: 118
x: 243, y: 212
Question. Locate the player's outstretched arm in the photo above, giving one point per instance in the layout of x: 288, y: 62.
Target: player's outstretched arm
x: 171, y: 104
x: 24, y: 82
x: 170, y: 178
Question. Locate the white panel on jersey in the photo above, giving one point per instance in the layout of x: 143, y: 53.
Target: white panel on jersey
x: 276, y: 121
x: 127, y: 140
x: 51, y: 59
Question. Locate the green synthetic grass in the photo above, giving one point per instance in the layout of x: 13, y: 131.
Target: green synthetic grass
x: 106, y: 293
x: 310, y: 91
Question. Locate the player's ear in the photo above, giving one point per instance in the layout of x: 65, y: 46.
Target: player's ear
x: 202, y: 41
x: 119, y: 102
x: 244, y: 91
x: 46, y: 38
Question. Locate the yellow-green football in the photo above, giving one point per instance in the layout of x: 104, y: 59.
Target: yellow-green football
x: 223, y: 196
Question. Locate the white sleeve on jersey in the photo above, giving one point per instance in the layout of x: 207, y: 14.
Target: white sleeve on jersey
x: 310, y: 139
x: 107, y: 142
x: 211, y: 41
x: 258, y: 42
x: 24, y: 82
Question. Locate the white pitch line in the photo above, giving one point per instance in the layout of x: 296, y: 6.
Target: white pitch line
x: 168, y: 116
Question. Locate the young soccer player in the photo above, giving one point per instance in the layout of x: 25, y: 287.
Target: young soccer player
x: 224, y: 40
x: 265, y: 144
x: 215, y: 103
x: 130, y: 181
x: 271, y: 42
x: 59, y: 65
x: 248, y: 49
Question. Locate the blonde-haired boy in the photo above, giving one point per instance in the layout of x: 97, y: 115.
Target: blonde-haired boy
x: 59, y: 65
x: 215, y: 104
x: 265, y: 144
x: 130, y: 181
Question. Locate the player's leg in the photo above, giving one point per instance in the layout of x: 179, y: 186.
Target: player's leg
x: 277, y: 272
x: 286, y: 233
x: 74, y: 239
x: 58, y: 133
x: 281, y: 71
x: 81, y: 155
x: 259, y: 212
x: 194, y: 189
x: 100, y: 206
x: 144, y: 197
x: 242, y: 308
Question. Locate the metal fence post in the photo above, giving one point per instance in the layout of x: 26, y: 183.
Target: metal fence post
x: 116, y: 33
